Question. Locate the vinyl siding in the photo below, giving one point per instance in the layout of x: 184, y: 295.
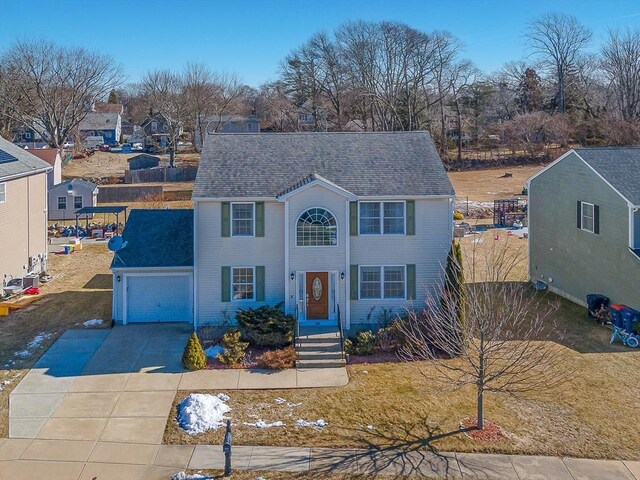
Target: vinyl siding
x: 213, y: 252
x: 23, y: 224
x: 88, y: 200
x: 427, y: 249
x: 579, y: 262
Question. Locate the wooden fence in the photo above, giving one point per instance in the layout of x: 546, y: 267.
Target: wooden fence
x: 126, y: 193
x: 161, y: 174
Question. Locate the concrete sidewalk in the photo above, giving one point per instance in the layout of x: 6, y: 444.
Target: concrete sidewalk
x: 79, y: 460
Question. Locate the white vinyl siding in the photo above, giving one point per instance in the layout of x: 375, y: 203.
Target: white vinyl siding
x: 3, y: 192
x: 242, y: 219
x: 382, y: 218
x: 243, y: 283
x: 588, y: 216
x: 382, y: 282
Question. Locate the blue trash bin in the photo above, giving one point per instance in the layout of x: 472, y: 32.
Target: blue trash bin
x: 616, y: 314
x: 629, y: 317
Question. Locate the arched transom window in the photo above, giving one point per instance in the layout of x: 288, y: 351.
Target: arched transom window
x: 316, y: 227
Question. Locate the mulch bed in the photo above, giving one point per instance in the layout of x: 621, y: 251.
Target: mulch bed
x: 490, y: 433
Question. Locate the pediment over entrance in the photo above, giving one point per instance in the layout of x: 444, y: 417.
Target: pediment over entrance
x: 314, y: 180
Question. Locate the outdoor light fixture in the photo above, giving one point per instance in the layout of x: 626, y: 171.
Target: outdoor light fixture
x: 341, y: 275
x: 118, y: 278
x: 292, y: 276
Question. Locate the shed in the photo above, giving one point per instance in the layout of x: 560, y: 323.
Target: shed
x: 153, y: 272
x: 67, y: 197
x: 143, y: 160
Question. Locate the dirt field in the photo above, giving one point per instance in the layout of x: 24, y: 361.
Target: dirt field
x: 80, y: 290
x: 486, y: 185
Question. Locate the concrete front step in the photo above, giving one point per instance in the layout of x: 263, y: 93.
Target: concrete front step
x: 320, y: 363
x: 319, y: 338
x: 317, y: 355
x: 319, y: 347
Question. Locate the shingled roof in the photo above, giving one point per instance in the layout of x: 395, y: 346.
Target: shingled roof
x: 99, y: 121
x: 157, y: 238
x: 364, y: 163
x: 620, y: 166
x: 18, y: 162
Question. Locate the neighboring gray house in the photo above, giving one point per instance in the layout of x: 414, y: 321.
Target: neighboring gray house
x: 23, y: 212
x: 143, y: 160
x: 67, y: 197
x: 108, y: 125
x: 584, y: 224
x: 228, y: 124
x: 326, y: 224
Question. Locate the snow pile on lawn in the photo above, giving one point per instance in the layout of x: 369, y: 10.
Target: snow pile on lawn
x: 213, y: 351
x: 280, y: 401
x: 4, y: 383
x: 186, y: 476
x: 317, y: 424
x: 33, y: 344
x: 200, y: 412
x: 263, y: 424
x: 92, y: 323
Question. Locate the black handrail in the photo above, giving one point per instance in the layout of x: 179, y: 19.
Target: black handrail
x: 340, y: 331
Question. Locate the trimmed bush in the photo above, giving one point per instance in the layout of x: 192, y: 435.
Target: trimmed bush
x: 266, y: 327
x: 234, y: 349
x: 277, y: 359
x: 193, y: 357
x: 458, y: 215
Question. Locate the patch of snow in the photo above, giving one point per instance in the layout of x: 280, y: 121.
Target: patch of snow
x: 38, y: 339
x: 200, y: 412
x: 280, y: 400
x: 92, y: 323
x: 260, y: 478
x: 292, y: 405
x: 263, y: 424
x: 213, y: 351
x: 371, y: 427
x: 22, y: 353
x: 4, y: 383
x: 186, y: 476
x: 317, y: 424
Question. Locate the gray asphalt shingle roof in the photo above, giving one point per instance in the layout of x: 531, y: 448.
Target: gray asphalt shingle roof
x: 16, y: 161
x: 364, y: 163
x: 99, y: 121
x: 157, y: 238
x: 620, y: 166
x: 77, y: 182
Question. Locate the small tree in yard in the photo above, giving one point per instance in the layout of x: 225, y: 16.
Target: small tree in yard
x: 495, y: 339
x: 194, y: 357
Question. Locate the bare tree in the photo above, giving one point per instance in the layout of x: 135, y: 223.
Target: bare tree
x: 621, y: 64
x: 50, y: 88
x: 558, y: 39
x: 164, y: 92
x: 499, y: 346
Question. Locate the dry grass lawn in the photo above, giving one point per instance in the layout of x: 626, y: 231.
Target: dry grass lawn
x: 313, y: 475
x: 486, y: 185
x: 80, y: 290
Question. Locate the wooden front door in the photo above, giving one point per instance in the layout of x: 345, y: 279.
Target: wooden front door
x: 317, y: 295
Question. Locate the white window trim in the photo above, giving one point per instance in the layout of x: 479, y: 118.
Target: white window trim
x: 317, y: 246
x: 243, y: 300
x: 253, y: 219
x: 593, y: 217
x: 65, y: 203
x: 3, y: 189
x: 381, y: 203
x: 81, y: 201
x: 382, y: 297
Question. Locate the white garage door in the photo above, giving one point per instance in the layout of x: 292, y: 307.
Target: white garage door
x: 159, y: 298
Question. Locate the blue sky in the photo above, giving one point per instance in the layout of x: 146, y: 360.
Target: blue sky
x: 250, y: 37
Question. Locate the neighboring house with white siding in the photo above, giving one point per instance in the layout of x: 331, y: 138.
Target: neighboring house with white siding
x: 584, y: 225
x: 324, y: 224
x: 23, y: 212
x: 71, y: 195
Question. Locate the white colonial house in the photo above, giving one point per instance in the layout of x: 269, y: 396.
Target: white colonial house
x: 327, y: 225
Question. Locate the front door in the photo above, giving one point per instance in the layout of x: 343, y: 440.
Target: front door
x: 317, y: 295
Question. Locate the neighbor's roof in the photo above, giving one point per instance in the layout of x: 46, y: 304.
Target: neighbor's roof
x: 157, y: 238
x: 75, y: 183
x: 365, y: 164
x: 144, y: 156
x: 99, y: 121
x: 102, y: 209
x: 49, y: 155
x: 620, y: 166
x: 18, y: 162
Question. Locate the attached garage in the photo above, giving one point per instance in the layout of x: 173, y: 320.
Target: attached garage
x: 153, y: 271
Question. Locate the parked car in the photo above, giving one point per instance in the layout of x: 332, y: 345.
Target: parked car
x: 68, y: 145
x: 137, y: 147
x: 104, y: 147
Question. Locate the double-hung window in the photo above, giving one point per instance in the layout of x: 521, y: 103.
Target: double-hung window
x: 242, y: 219
x: 242, y: 283
x: 77, y: 201
x: 62, y: 203
x: 382, y: 218
x: 3, y: 192
x: 377, y: 282
x: 588, y: 216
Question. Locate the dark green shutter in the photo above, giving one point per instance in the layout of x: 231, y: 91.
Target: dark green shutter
x: 353, y: 219
x: 260, y: 284
x: 225, y: 284
x: 411, y: 217
x: 354, y: 282
x: 411, y: 282
x: 596, y: 219
x: 259, y: 219
x: 579, y: 220
x: 225, y: 219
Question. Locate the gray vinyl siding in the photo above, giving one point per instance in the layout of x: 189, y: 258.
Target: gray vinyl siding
x: 576, y: 261
x: 427, y: 249
x: 88, y: 200
x: 212, y: 252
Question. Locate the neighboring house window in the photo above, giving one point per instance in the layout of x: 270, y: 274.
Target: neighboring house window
x: 27, y: 134
x: 382, y: 218
x: 3, y: 192
x: 242, y: 215
x: 77, y: 202
x: 242, y: 286
x: 316, y: 227
x: 587, y: 217
x: 62, y: 203
x: 154, y: 126
x: 382, y: 282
